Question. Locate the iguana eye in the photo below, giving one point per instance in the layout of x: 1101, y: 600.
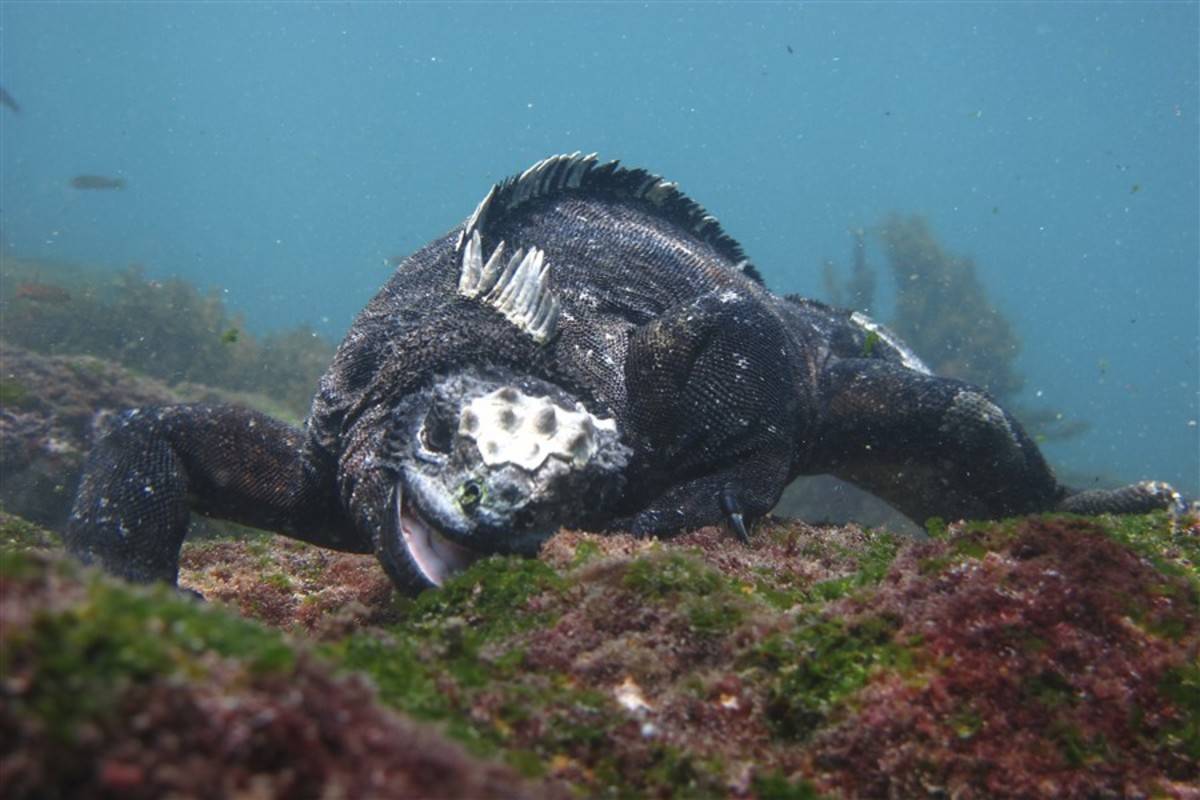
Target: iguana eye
x: 470, y: 494
x: 436, y: 433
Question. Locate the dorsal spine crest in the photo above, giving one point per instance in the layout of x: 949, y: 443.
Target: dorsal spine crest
x: 575, y: 172
x: 518, y: 288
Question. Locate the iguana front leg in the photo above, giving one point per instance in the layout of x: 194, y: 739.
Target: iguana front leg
x: 713, y: 400
x: 154, y: 465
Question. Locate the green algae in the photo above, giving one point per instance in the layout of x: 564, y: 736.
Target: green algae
x: 662, y: 574
x: 585, y: 552
x: 169, y: 330
x: 774, y: 786
x: 712, y: 605
x: 874, y: 561
x: 490, y: 593
x: 1165, y: 542
x: 17, y: 533
x: 1076, y: 748
x: 13, y: 393
x: 441, y: 638
x: 811, y: 670
x: 458, y: 656
x: 116, y: 636
x: 1182, y: 734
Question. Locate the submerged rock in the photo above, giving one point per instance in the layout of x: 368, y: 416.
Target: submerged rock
x: 113, y: 691
x: 52, y: 407
x: 1039, y: 657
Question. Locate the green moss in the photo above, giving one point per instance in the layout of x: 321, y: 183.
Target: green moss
x: 971, y: 547
x: 407, y: 677
x: 966, y: 723
x: 682, y: 774
x: 1170, y: 547
x: 811, y: 670
x: 936, y: 528
x: 935, y: 565
x: 1182, y: 686
x: 85, y: 655
x: 279, y: 580
x: 441, y: 638
x: 660, y: 574
x: 874, y: 561
x: 491, y: 592
x: 715, y: 616
x: 13, y: 393
x: 712, y: 604
x: 87, y: 366
x: 774, y: 786
x: 1049, y: 689
x: 585, y: 551
x: 17, y: 533
x: 779, y: 594
x: 1077, y: 749
x: 457, y: 656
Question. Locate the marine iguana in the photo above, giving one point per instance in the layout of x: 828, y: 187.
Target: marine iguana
x: 590, y: 349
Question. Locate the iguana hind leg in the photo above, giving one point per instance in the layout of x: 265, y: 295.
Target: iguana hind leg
x: 930, y: 446
x: 154, y: 465
x: 935, y: 446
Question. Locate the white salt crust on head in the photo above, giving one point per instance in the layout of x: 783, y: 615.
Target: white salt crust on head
x: 511, y: 427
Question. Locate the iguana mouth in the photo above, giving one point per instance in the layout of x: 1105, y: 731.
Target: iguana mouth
x: 433, y: 554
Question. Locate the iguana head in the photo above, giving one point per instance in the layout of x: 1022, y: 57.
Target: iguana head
x: 491, y: 463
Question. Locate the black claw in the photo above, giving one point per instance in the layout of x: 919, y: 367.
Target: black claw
x: 732, y: 510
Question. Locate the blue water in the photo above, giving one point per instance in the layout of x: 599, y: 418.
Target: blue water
x: 282, y: 152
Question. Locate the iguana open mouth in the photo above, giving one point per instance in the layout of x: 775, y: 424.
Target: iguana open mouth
x: 433, y: 554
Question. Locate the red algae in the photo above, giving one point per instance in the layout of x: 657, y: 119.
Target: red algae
x: 1040, y: 673
x: 290, y: 585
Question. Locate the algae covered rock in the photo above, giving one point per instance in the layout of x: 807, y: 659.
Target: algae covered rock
x: 48, y: 410
x: 53, y: 407
x: 1039, y: 657
x: 112, y: 691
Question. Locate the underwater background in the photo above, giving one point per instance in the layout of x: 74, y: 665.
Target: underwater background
x: 280, y: 154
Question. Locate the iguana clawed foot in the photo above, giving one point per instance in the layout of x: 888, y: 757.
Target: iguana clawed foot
x: 732, y: 510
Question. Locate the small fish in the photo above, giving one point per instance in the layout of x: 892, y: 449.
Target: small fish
x: 231, y: 336
x: 37, y: 292
x: 995, y: 209
x: 97, y: 182
x: 8, y: 102
x: 1137, y: 187
x: 790, y: 50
